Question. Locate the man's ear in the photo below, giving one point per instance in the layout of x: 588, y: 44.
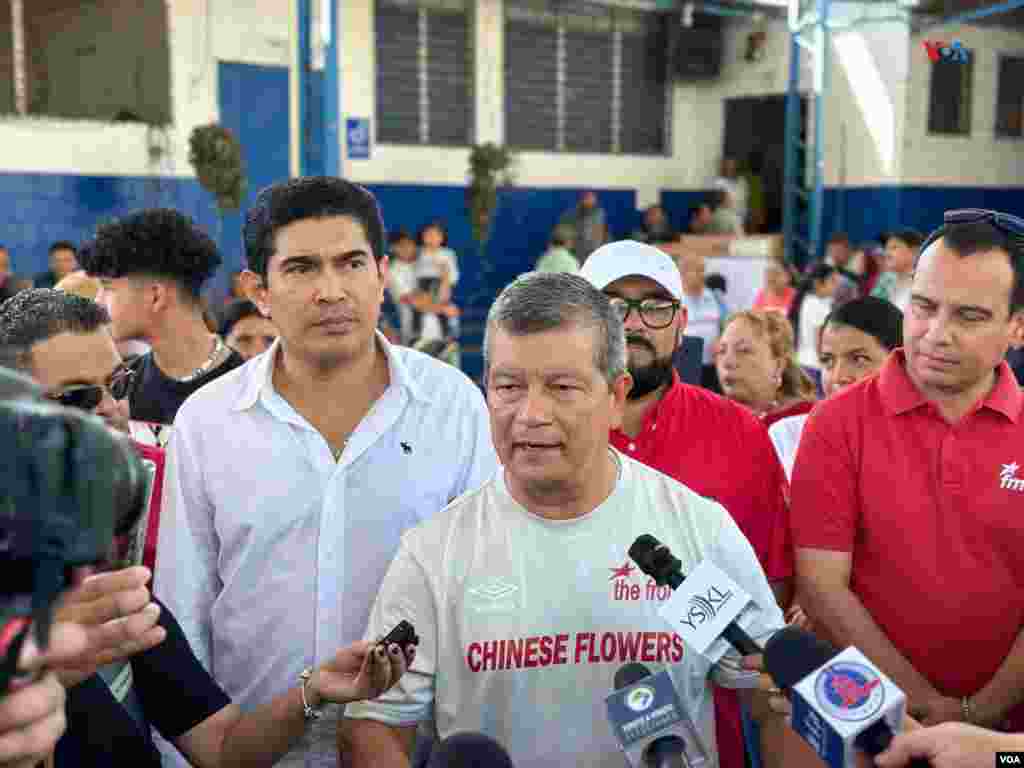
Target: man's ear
x: 254, y: 288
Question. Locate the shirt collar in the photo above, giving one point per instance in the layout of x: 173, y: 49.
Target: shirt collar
x: 261, y: 375
x: 900, y: 394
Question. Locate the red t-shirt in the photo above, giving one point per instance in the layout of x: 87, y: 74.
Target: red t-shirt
x: 720, y: 450
x: 153, y: 461
x: 933, y: 514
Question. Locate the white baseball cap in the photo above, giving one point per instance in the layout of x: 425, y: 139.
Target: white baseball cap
x: 628, y: 258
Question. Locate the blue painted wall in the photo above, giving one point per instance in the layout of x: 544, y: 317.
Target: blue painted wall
x: 42, y: 208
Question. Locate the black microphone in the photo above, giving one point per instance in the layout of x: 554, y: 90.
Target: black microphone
x: 665, y: 751
x: 469, y: 749
x: 657, y: 561
x: 791, y: 654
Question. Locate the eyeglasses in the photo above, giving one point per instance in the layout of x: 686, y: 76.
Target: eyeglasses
x: 654, y: 313
x: 1004, y: 222
x: 85, y: 397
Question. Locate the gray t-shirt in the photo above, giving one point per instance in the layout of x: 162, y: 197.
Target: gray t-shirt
x: 523, y: 621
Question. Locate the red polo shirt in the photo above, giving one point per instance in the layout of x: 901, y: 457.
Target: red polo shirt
x: 933, y: 514
x: 720, y: 450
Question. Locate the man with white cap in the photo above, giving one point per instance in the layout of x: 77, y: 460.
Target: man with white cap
x: 704, y: 441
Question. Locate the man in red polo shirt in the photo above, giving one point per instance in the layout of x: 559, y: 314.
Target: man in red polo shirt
x: 706, y: 442
x: 908, y: 488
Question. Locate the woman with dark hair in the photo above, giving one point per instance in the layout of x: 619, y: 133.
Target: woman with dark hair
x: 807, y: 313
x: 856, y: 339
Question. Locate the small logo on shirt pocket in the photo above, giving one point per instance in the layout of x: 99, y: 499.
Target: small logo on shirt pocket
x: 1008, y: 477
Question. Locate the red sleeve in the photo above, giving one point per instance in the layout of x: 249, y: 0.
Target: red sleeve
x: 154, y: 459
x: 825, y: 502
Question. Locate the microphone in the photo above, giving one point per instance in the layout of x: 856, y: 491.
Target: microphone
x: 649, y: 722
x: 841, y: 701
x: 469, y: 749
x: 703, y: 612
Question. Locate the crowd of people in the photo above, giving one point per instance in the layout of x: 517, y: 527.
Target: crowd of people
x: 849, y: 455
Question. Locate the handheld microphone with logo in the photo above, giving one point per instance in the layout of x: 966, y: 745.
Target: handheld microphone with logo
x: 841, y: 701
x: 469, y: 750
x: 704, y: 606
x: 649, y: 722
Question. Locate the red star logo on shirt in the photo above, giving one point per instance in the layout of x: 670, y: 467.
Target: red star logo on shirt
x: 624, y: 571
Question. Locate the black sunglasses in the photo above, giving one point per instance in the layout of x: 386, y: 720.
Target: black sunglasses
x: 1006, y: 223
x: 85, y: 397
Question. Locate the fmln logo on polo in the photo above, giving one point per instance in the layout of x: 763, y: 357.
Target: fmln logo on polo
x: 1008, y: 478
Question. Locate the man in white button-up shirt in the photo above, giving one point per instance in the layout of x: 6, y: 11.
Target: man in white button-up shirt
x: 291, y: 479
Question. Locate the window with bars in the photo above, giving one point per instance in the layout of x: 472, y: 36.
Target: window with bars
x: 584, y: 77
x: 950, y: 94
x: 1010, y: 97
x: 424, y: 72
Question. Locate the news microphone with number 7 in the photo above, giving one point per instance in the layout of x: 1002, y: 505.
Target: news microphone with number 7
x: 649, y: 722
x: 841, y: 701
x: 705, y: 607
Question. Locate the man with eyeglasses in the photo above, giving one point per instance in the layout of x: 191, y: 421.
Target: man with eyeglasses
x: 704, y: 441
x: 908, y: 488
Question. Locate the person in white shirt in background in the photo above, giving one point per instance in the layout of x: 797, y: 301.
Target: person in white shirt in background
x: 736, y: 185
x: 856, y: 339
x: 901, y: 251
x: 402, y: 256
x: 705, y: 314
x: 437, y: 273
x: 291, y: 479
x: 521, y: 628
x: 810, y: 307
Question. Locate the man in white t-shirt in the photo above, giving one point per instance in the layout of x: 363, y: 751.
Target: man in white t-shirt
x: 522, y: 592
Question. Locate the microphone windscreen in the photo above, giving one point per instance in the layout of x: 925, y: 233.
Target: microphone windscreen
x: 469, y: 750
x: 630, y: 673
x: 793, y: 653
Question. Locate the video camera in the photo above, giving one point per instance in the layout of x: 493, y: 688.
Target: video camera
x: 68, y: 487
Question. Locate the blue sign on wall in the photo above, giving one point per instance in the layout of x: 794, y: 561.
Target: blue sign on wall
x: 357, y: 129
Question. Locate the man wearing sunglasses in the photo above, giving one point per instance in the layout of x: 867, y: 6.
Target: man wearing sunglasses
x: 704, y: 441
x: 908, y: 489
x: 63, y: 342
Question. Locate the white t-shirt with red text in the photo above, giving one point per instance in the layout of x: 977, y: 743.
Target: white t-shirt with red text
x: 523, y: 621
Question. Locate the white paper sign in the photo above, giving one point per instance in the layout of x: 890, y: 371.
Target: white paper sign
x: 703, y: 606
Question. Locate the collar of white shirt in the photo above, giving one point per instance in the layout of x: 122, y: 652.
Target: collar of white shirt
x: 260, y: 378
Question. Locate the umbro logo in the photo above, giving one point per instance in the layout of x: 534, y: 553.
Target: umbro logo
x: 493, y: 590
x: 1008, y: 478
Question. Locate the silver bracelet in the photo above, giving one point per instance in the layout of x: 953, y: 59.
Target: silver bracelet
x: 307, y: 711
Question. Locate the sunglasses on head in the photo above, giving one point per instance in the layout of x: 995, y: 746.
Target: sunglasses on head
x: 1004, y: 222
x: 85, y: 397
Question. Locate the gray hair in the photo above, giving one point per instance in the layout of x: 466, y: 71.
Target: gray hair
x: 538, y: 302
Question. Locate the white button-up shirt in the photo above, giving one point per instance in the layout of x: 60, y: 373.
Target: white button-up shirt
x: 270, y: 552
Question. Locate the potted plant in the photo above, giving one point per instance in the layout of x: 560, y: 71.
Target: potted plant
x: 216, y: 155
x: 490, y: 166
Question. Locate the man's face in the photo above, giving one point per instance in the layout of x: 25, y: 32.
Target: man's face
x: 551, y: 408
x: 74, y: 359
x: 655, y: 216
x: 588, y: 200
x: 324, y: 289
x: 125, y: 300
x: 899, y: 257
x: 650, y: 349
x: 839, y: 253
x: 63, y: 262
x: 5, y: 263
x: 958, y: 326
x: 729, y: 168
x: 252, y: 336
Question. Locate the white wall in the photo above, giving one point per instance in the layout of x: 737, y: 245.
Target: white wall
x: 980, y: 159
x: 877, y: 97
